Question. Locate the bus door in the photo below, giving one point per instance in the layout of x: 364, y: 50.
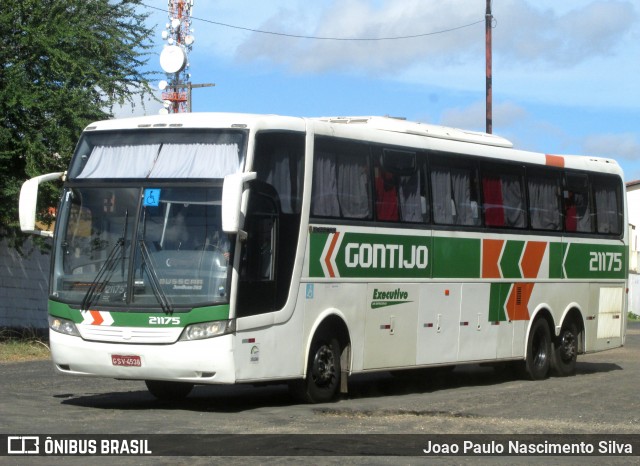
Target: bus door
x: 257, y: 287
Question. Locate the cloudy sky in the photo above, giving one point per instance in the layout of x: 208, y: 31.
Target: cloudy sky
x: 566, y: 74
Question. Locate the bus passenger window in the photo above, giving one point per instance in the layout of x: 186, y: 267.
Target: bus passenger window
x: 608, y: 211
x: 454, y: 196
x: 386, y: 196
x: 399, y: 195
x: 577, y: 207
x: 341, y: 180
x: 503, y: 198
x: 413, y: 205
x: 353, y: 186
x: 544, y: 201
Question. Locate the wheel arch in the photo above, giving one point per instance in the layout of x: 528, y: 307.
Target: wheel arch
x: 541, y: 312
x: 332, y: 321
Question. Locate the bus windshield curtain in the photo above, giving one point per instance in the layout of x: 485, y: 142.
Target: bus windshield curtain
x: 162, y: 161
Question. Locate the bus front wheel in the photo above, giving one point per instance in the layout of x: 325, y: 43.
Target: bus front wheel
x: 168, y: 391
x: 538, y: 360
x: 323, y: 372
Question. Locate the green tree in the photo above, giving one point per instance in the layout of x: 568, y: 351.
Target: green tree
x: 63, y: 64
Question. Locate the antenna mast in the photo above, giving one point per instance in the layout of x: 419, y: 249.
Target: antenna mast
x: 174, y: 58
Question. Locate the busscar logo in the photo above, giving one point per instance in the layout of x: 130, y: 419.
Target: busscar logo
x: 23, y: 445
x: 389, y: 298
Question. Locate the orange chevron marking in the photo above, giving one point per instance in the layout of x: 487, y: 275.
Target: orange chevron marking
x: 327, y: 259
x: 97, y: 318
x: 491, y: 250
x: 517, y: 305
x: 532, y: 258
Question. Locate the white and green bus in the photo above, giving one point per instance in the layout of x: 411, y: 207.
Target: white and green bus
x: 232, y: 248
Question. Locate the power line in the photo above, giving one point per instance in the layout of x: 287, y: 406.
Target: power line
x: 346, y: 39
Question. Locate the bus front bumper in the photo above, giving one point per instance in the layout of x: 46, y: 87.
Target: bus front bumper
x: 207, y: 361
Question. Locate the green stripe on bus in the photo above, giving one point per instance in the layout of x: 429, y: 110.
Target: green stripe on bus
x: 510, y: 261
x: 141, y: 319
x: 556, y: 253
x: 316, y: 245
x: 370, y: 255
x: 595, y: 261
x: 456, y: 257
x: 498, y: 295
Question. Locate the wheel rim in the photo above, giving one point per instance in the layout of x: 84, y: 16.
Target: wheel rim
x: 568, y: 346
x: 324, y: 368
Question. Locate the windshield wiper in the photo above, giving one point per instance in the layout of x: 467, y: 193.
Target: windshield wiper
x: 103, y: 276
x: 153, y: 278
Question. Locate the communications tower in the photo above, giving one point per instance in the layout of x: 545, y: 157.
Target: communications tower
x: 174, y: 58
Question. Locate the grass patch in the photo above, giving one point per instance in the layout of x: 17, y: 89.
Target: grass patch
x: 22, y: 345
x: 631, y: 317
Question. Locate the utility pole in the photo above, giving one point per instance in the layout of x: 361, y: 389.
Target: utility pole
x: 487, y: 28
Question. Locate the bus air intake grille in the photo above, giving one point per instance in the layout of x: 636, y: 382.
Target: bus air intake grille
x: 140, y: 335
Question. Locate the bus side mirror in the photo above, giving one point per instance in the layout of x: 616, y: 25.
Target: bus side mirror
x: 232, y: 190
x: 28, y: 201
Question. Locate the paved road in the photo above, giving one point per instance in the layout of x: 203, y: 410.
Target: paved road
x: 602, y: 398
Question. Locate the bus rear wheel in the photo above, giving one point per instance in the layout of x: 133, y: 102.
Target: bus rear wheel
x: 323, y: 372
x: 168, y: 391
x: 565, y: 351
x: 538, y: 360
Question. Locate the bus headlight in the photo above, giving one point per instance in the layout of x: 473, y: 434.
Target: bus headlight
x: 63, y: 326
x: 207, y: 330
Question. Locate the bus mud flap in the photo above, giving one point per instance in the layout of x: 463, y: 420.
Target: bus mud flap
x: 345, y: 357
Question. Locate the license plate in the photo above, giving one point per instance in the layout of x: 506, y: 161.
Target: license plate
x: 128, y: 361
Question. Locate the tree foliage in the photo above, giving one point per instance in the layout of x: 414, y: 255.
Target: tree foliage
x: 63, y: 64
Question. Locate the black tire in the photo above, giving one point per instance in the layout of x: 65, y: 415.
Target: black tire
x: 539, y: 353
x: 168, y: 391
x: 323, y: 372
x: 565, y: 351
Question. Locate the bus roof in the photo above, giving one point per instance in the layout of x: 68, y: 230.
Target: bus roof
x: 400, y: 125
x: 365, y: 128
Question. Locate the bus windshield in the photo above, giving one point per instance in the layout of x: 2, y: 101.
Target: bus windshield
x: 141, y: 247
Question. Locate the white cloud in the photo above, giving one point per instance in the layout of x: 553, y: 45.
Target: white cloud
x: 525, y: 32
x: 505, y: 116
x: 619, y: 146
x: 366, y: 19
